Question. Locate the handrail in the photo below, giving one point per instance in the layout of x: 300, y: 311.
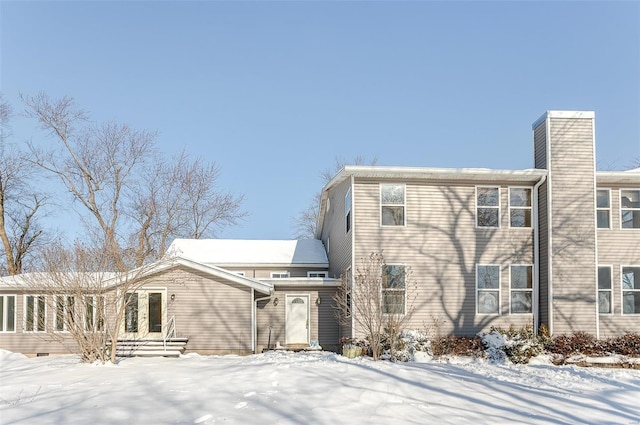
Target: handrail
x: 171, y: 331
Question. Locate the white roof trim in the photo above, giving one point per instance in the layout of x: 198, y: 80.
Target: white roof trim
x: 564, y: 114
x: 618, y: 177
x: 303, y: 281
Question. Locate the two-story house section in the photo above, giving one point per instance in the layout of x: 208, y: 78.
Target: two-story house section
x: 557, y: 244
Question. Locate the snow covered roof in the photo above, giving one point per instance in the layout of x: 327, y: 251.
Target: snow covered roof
x: 227, y: 252
x: 619, y: 177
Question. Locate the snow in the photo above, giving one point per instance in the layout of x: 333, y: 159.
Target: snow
x: 245, y: 251
x: 311, y: 388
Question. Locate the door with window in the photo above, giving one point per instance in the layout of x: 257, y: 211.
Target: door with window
x: 297, y: 319
x: 144, y: 314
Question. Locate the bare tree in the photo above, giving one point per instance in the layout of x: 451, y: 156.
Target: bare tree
x: 379, y: 299
x: 136, y: 200
x: 21, y: 205
x: 305, y: 223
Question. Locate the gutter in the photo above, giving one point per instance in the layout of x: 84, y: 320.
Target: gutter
x: 536, y: 257
x: 254, y: 324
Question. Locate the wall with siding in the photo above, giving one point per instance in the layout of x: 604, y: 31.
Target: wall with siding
x: 323, y: 324
x: 572, y: 219
x: 540, y: 162
x: 617, y: 248
x: 441, y: 245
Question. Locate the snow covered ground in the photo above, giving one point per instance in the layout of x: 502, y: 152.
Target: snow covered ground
x: 310, y: 388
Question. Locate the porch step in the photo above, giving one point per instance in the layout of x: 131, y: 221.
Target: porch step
x: 151, y: 347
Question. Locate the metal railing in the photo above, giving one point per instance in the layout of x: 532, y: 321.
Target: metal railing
x: 171, y: 331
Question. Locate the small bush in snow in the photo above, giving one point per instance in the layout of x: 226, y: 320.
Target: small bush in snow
x: 457, y: 346
x: 519, y: 345
x: 408, y: 343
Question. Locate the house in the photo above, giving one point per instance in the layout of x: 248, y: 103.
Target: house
x: 555, y: 245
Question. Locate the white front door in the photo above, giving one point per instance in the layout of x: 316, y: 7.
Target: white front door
x: 297, y: 319
x: 144, y: 314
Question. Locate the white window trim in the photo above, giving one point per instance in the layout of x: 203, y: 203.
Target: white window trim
x: 403, y: 205
x: 529, y: 208
x: 94, y: 302
x: 284, y: 272
x: 609, y: 290
x: 627, y: 209
x: 5, y: 313
x: 348, y: 224
x: 498, y: 207
x: 324, y: 274
x: 520, y: 289
x: 608, y: 190
x: 35, y: 318
x: 382, y: 290
x: 622, y: 291
x: 499, y: 289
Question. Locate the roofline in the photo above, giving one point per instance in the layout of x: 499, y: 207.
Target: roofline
x: 618, y: 177
x: 303, y: 281
x: 272, y: 265
x: 563, y: 114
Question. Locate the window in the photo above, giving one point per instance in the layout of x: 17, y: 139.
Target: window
x: 94, y: 313
x: 347, y: 210
x: 35, y: 311
x: 604, y: 290
x: 393, y: 289
x: 488, y: 289
x: 279, y: 275
x: 392, y: 204
x: 520, y: 207
x: 7, y: 313
x: 603, y: 208
x: 316, y: 274
x: 521, y: 289
x: 347, y: 295
x: 630, y: 209
x: 631, y: 290
x: 488, y: 206
x: 64, y: 312
x: 131, y: 312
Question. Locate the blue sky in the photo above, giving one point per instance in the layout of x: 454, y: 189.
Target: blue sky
x: 274, y: 91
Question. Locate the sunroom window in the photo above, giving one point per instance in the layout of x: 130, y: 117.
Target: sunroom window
x: 7, y: 313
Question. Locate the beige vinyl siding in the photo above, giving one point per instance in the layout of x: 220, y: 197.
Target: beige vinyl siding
x: 543, y: 257
x: 334, y: 229
x: 323, y: 325
x: 214, y: 314
x: 441, y: 245
x: 540, y: 146
x: 573, y: 244
x: 617, y: 248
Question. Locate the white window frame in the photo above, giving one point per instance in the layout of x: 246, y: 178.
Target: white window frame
x: 349, y: 291
x: 498, y: 289
x: 36, y: 314
x: 496, y: 207
x: 324, y: 274
x: 512, y: 289
x: 348, y: 217
x: 390, y: 204
x: 632, y: 209
x: 280, y: 275
x: 623, y: 290
x: 5, y: 312
x: 519, y: 208
x: 93, y: 326
x: 610, y: 290
x: 65, y: 311
x: 384, y: 290
x: 604, y: 209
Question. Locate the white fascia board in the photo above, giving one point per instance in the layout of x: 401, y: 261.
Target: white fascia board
x: 445, y: 174
x: 303, y: 281
x: 271, y: 265
x: 618, y: 177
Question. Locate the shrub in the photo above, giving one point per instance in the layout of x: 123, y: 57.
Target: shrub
x: 457, y: 346
x: 518, y: 345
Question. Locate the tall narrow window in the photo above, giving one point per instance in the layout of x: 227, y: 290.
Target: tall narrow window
x: 131, y: 312
x: 631, y: 290
x: 488, y: 206
x: 520, y: 207
x: 35, y: 313
x: 347, y: 210
x: 603, y: 208
x: 604, y: 290
x: 488, y: 289
x: 7, y: 313
x: 630, y: 209
x: 393, y: 289
x: 521, y: 289
x: 64, y: 312
x: 392, y: 204
x: 94, y: 313
x: 348, y: 290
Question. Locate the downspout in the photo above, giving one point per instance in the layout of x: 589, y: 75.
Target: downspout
x: 536, y: 257
x: 254, y: 333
